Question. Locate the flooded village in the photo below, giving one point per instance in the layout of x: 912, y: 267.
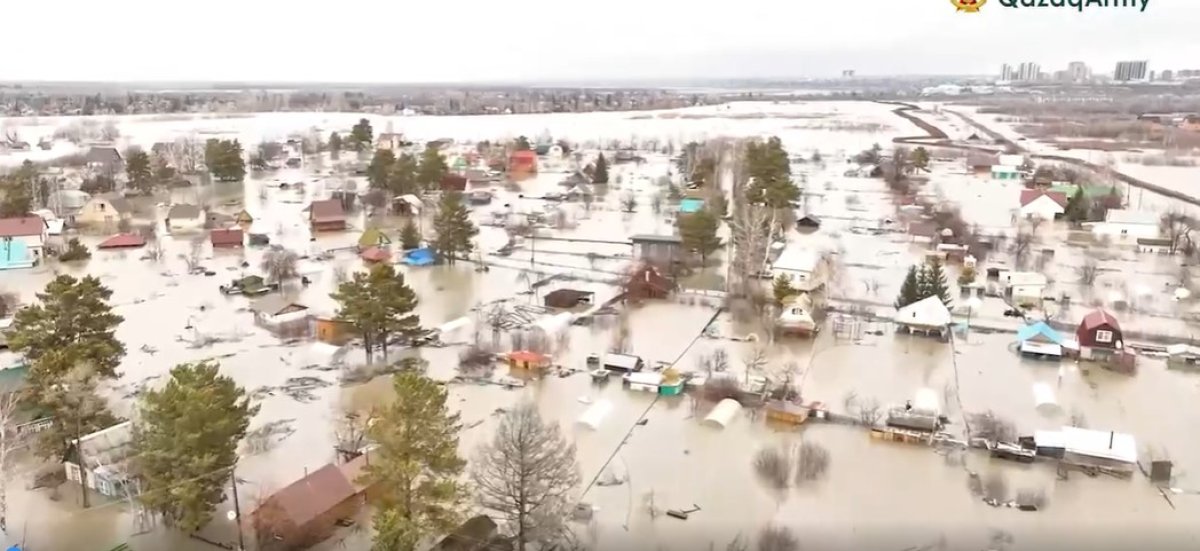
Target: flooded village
x: 859, y: 325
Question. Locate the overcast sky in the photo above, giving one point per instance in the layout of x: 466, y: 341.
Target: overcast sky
x: 533, y: 40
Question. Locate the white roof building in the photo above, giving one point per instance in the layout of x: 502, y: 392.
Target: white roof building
x: 1127, y: 224
x: 1108, y: 446
x: 801, y: 265
x: 927, y: 313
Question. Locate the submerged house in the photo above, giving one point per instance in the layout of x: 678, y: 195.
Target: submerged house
x: 228, y: 238
x: 523, y: 162
x: 185, y: 218
x: 802, y: 266
x: 796, y: 316
x: 478, y: 533
x: 645, y: 282
x: 101, y: 458
x: 1107, y: 450
x: 1100, y: 337
x: 307, y: 511
x: 122, y: 241
x: 928, y: 315
x: 1047, y: 205
x: 275, y: 310
x: 1039, y: 340
x: 659, y: 249
x: 327, y: 215
x: 568, y: 298
x: 104, y: 210
x: 22, y: 241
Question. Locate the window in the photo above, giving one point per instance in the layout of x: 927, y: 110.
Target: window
x: 1104, y: 336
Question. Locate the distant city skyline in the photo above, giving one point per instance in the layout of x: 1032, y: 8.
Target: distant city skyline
x: 373, y: 41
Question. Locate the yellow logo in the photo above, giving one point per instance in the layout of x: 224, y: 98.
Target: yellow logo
x: 969, y: 6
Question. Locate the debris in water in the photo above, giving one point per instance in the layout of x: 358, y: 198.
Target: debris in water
x: 149, y: 349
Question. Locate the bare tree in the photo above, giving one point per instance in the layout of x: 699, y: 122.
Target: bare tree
x: 1088, y: 272
x: 991, y: 427
x: 812, y: 461
x: 750, y: 236
x: 755, y: 362
x: 777, y: 538
x: 775, y: 465
x: 186, y: 155
x: 8, y: 304
x: 280, y: 265
x: 1021, y: 246
x: 716, y: 361
x: 1176, y: 227
x: 8, y: 437
x: 867, y: 410
x: 527, y: 474
x: 629, y: 202
x: 195, y: 254
x: 350, y: 433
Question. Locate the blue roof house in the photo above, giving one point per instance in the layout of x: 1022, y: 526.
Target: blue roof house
x: 14, y: 253
x: 1039, y: 340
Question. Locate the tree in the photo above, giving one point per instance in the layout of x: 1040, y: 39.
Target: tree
x: 402, y: 178
x: 910, y: 290
x: 966, y: 276
x: 1176, y: 226
x: 8, y: 442
x: 416, y: 464
x: 782, y: 288
x: 522, y: 144
x: 280, y: 265
x: 698, y: 231
x: 454, y: 228
x: 920, y: 158
x: 410, y: 236
x: 1088, y: 272
x: 432, y: 169
x: 361, y: 137
x: 770, y: 175
x: 1077, y: 206
x: 527, y: 474
x: 777, y: 538
x: 935, y: 282
x: 18, y: 189
x: 335, y: 145
x: 380, y: 168
x: 75, y: 251
x: 163, y: 173
x: 224, y: 159
x: 71, y: 323
x: 378, y: 304
x: 8, y: 303
x: 629, y: 202
x: 137, y: 168
x: 186, y: 440
x: 600, y: 173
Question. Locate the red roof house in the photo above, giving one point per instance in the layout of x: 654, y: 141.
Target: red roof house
x: 375, y: 254
x: 22, y: 226
x: 226, y: 238
x: 524, y: 161
x: 1100, y: 330
x: 307, y: 511
x: 122, y: 241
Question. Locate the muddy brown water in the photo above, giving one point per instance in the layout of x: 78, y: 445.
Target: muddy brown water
x: 875, y: 496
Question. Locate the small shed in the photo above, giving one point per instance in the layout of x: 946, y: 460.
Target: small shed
x: 646, y: 282
x: 373, y: 237
x: 643, y: 381
x: 275, y: 309
x: 786, y: 412
x: 228, y: 238
x: 723, y: 413
x: 420, y: 257
x: 330, y: 330
x: 595, y: 414
x: 622, y: 362
x: 808, y: 222
x: 1043, y: 400
x: 123, y: 241
x: 568, y: 298
x: 1183, y: 355
x: 525, y: 359
x: 375, y: 255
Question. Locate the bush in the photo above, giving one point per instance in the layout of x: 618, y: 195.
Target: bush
x: 75, y: 251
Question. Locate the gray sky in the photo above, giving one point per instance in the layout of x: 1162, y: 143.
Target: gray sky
x: 474, y: 40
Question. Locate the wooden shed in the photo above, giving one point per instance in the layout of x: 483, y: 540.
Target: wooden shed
x: 525, y: 359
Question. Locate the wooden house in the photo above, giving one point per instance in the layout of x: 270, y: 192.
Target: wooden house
x: 525, y: 359
x: 227, y: 238
x: 329, y: 330
x: 1100, y: 336
x: 646, y: 282
x: 327, y: 215
x: 786, y: 412
x: 307, y: 511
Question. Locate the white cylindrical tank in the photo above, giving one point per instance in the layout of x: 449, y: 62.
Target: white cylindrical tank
x: 594, y: 415
x: 721, y: 415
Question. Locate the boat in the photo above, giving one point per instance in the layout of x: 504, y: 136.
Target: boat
x: 600, y: 374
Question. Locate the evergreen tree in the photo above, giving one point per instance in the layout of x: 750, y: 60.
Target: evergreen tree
x: 402, y: 179
x: 186, y: 441
x: 224, y: 159
x: 335, y: 144
x: 380, y: 168
x: 416, y: 465
x: 600, y: 172
x: 910, y: 289
x: 137, y: 168
x: 936, y: 281
x: 698, y: 231
x: 454, y: 228
x: 361, y: 136
x: 1077, y: 206
x: 410, y: 236
x: 522, y: 144
x: 379, y: 305
x: 433, y: 167
x: 771, y: 175
x: 18, y: 191
x: 782, y: 288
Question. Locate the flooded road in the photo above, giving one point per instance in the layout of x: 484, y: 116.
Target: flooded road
x: 876, y: 495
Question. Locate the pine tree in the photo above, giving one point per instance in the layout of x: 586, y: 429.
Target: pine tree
x: 186, y: 441
x: 698, y: 231
x: 137, y: 168
x: 937, y: 286
x: 432, y: 169
x: 410, y: 236
x: 335, y: 144
x: 920, y: 158
x: 380, y: 168
x: 1077, y: 207
x: 600, y: 172
x: 522, y: 144
x: 782, y: 288
x: 402, y: 179
x: 910, y: 289
x: 416, y: 465
x: 361, y: 136
x: 378, y: 305
x: 771, y: 175
x: 454, y: 228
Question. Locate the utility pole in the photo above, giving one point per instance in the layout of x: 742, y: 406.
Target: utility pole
x: 237, y: 510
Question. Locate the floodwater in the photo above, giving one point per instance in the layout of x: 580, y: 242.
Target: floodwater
x: 875, y: 496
